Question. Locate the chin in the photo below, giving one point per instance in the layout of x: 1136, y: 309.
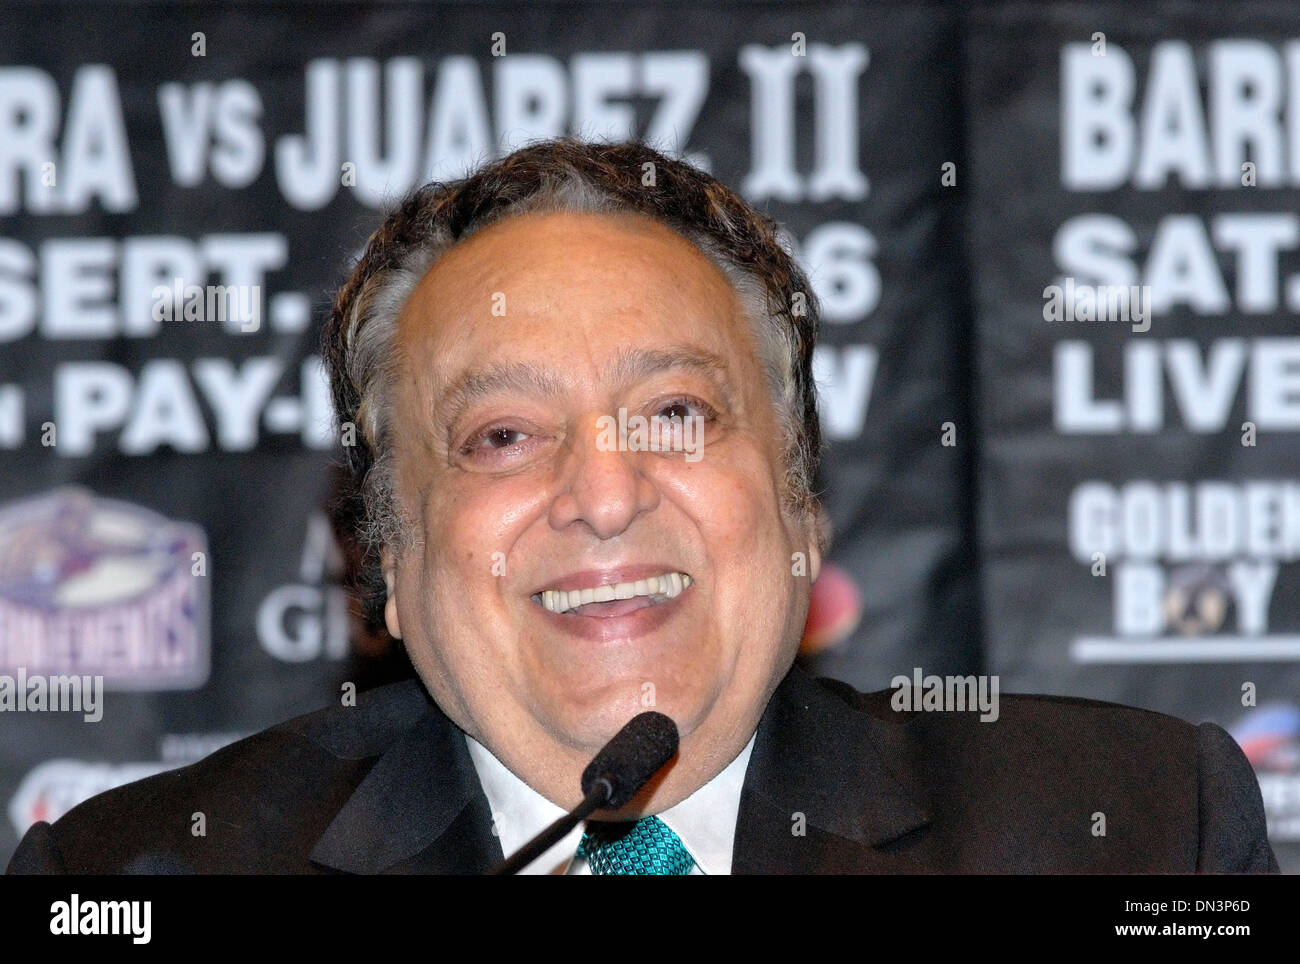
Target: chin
x: 590, y: 722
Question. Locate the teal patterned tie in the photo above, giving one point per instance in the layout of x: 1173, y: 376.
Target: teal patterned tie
x: 644, y: 847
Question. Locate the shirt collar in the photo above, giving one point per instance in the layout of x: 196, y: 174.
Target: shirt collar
x: 705, y: 821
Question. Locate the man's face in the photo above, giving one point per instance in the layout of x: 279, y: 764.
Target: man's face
x: 510, y: 351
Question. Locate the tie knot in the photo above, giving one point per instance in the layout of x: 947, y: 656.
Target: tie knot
x: 647, y: 846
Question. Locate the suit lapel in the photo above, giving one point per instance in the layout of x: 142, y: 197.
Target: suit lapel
x: 825, y: 789
x: 824, y: 792
x: 421, y: 809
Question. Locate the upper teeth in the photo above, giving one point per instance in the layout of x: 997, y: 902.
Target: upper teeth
x: 666, y: 586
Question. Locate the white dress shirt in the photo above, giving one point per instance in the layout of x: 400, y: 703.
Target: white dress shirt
x: 705, y: 821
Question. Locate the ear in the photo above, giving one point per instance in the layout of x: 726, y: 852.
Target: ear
x: 819, y: 536
x: 390, y: 604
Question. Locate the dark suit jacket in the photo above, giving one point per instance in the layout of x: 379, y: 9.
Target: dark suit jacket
x: 838, y: 782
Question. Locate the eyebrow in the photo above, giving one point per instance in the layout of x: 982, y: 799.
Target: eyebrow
x: 629, y: 366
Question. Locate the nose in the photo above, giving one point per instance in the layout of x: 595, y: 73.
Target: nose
x: 602, y: 488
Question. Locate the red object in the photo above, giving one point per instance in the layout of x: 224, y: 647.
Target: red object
x: 834, y: 610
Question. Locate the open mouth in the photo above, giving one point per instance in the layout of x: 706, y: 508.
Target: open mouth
x: 616, y: 599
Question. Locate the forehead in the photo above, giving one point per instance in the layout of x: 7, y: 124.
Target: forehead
x: 572, y: 282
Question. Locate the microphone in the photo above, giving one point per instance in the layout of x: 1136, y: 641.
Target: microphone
x: 625, y: 764
x: 631, y: 758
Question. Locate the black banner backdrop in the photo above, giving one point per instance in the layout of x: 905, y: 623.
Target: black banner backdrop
x: 163, y: 479
x: 1139, y: 521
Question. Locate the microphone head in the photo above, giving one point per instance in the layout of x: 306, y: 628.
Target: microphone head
x: 635, y: 754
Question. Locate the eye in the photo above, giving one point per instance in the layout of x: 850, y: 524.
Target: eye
x: 685, y: 407
x: 500, y: 438
x: 493, y: 440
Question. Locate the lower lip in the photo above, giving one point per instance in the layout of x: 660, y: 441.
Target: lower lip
x: 602, y: 629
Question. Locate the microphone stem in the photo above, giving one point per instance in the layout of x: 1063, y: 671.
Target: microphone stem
x: 552, y: 835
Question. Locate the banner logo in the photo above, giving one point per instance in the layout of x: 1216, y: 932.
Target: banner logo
x: 97, y: 587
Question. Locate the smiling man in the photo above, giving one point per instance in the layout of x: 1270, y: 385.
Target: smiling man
x: 512, y: 502
x: 551, y: 578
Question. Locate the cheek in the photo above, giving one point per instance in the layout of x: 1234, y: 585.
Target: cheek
x: 736, y: 507
x: 472, y: 525
x: 734, y: 501
x: 466, y: 570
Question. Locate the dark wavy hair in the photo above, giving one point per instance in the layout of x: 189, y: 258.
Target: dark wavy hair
x: 561, y: 174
